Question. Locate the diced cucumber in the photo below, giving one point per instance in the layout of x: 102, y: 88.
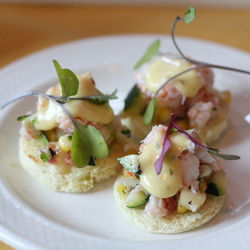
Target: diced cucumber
x: 130, y: 162
x: 42, y: 139
x: 134, y: 102
x: 136, y: 198
x: 217, y: 183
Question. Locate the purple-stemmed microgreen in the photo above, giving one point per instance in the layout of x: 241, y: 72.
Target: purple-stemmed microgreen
x: 167, y: 145
x: 87, y: 141
x: 210, y: 150
x: 154, y: 51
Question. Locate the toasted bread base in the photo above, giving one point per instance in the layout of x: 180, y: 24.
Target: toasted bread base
x: 62, y: 177
x: 174, y: 222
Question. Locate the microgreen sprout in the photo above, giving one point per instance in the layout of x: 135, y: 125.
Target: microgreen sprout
x: 87, y: 141
x: 153, y: 51
x: 167, y: 145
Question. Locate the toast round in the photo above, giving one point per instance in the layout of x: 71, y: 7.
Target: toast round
x: 65, y: 178
x: 174, y: 222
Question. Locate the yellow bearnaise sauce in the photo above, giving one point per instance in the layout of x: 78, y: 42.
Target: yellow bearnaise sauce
x: 161, y: 70
x: 48, y: 111
x: 169, y: 181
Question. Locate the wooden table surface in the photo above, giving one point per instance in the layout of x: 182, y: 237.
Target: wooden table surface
x: 27, y: 28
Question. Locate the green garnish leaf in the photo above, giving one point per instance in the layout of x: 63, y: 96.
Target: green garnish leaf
x: 149, y: 113
x: 215, y: 150
x: 151, y: 52
x: 68, y: 80
x: 223, y: 156
x: 190, y: 15
x: 101, y: 99
x: 21, y: 118
x: 87, y: 142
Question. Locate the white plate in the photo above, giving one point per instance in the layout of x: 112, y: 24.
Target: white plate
x: 33, y: 217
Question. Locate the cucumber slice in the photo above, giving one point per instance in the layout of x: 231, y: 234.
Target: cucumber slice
x: 42, y: 139
x: 137, y: 197
x: 217, y: 183
x: 130, y: 162
x: 134, y: 102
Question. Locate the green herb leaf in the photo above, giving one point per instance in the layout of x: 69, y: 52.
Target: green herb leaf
x: 151, y: 52
x: 149, y: 113
x: 190, y: 15
x: 21, y: 118
x: 101, y: 99
x: 68, y: 80
x: 87, y: 142
x: 215, y: 150
x: 223, y: 156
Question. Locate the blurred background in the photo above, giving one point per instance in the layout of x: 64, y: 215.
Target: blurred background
x: 205, y: 3
x: 28, y: 26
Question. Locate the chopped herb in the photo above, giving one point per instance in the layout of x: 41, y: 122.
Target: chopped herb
x: 157, y: 145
